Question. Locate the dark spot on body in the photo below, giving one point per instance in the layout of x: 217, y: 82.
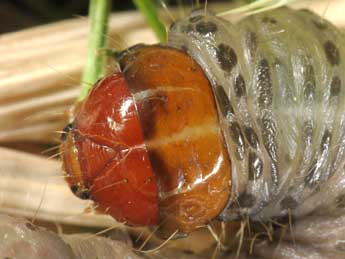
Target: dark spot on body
x: 255, y: 166
x: 196, y: 18
x: 65, y: 131
x: 332, y: 53
x: 326, y: 140
x: 251, y: 137
x: 335, y: 86
x: 240, y: 86
x: 270, y: 20
x: 288, y: 203
x: 223, y: 100
x: 236, y: 133
x: 246, y: 200
x: 206, y: 27
x: 226, y: 57
x: 340, y: 201
x: 31, y: 226
x: 264, y: 84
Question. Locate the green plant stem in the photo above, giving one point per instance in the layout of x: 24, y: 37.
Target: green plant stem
x: 95, y: 66
x: 149, y: 9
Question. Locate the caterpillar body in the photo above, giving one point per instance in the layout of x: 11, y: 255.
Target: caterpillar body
x: 282, y: 74
x: 225, y: 121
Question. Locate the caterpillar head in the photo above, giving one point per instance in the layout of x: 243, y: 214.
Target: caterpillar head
x: 145, y: 145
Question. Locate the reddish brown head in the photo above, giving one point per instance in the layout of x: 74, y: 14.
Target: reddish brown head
x: 146, y: 146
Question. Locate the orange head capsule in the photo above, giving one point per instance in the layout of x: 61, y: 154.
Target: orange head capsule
x: 147, y: 146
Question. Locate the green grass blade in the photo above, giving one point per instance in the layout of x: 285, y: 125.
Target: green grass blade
x: 149, y: 9
x: 96, y: 62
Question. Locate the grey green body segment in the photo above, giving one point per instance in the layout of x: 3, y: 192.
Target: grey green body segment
x: 278, y: 78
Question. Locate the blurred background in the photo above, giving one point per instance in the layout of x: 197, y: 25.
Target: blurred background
x: 19, y: 14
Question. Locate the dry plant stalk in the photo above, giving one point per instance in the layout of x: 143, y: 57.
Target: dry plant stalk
x: 33, y: 186
x: 39, y: 79
x: 40, y: 71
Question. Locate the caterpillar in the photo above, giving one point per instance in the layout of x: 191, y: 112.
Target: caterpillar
x: 224, y: 121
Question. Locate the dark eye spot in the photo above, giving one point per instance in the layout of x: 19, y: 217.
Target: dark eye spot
x: 196, y: 18
x: 226, y: 57
x: 83, y: 194
x: 65, y: 132
x: 246, y: 200
x: 240, y: 86
x: 264, y: 84
x: 255, y: 166
x: 223, y: 100
x: 335, y: 86
x: 206, y: 27
x: 267, y: 19
x: 332, y: 53
x: 288, y: 203
x: 74, y: 188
